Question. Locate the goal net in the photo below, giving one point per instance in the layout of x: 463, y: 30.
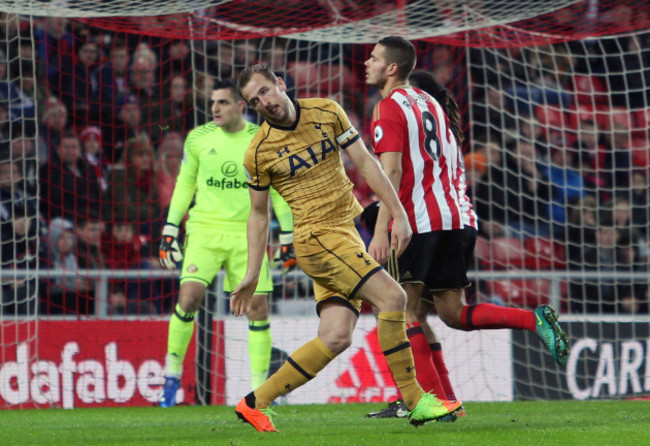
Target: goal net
x: 96, y: 101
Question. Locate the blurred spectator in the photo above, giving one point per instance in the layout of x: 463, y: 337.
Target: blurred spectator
x: 590, y: 159
x: 177, y: 113
x: 15, y: 204
x: 202, y: 90
x: 19, y: 252
x: 535, y: 80
x: 127, y: 126
x: 143, y: 83
x: 274, y: 54
x: 219, y: 57
x: 490, y: 116
x: 616, y: 161
x: 53, y: 122
x: 23, y: 153
x: 122, y: 250
x: 629, y: 75
x: 633, y: 261
x: 532, y: 129
x: 475, y: 170
x: 245, y: 53
x: 89, y: 232
x: 606, y: 293
x: 566, y: 182
x: 622, y: 215
x: 640, y: 201
x: 581, y: 228
x: 21, y: 106
x: 132, y: 191
x: 82, y: 91
x: 113, y: 75
x: 37, y: 92
x: 63, y: 294
x: 69, y: 186
x: 5, y: 123
x: 55, y: 48
x: 167, y: 166
x: 91, y: 144
x: 12, y: 190
x: 177, y: 58
x: 512, y: 202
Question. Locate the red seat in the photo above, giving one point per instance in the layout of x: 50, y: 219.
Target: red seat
x: 543, y: 253
x: 589, y: 89
x: 335, y: 78
x: 482, y: 248
x: 307, y: 76
x: 581, y: 113
x: 621, y: 116
x: 500, y: 253
x: 551, y: 116
x: 640, y: 152
x: 522, y: 293
x: 641, y: 122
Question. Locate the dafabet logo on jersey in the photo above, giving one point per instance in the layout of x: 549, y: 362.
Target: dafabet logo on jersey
x: 225, y: 183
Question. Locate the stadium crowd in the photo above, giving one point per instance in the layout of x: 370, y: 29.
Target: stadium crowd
x: 92, y: 125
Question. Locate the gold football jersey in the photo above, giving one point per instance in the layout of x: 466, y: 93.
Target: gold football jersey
x: 303, y: 163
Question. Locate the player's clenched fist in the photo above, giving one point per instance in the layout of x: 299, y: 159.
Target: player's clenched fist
x: 170, y: 251
x: 285, y: 256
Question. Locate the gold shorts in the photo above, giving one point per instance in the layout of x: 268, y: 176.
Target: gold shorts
x: 336, y: 258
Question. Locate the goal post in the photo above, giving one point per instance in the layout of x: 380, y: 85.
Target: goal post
x: 554, y: 103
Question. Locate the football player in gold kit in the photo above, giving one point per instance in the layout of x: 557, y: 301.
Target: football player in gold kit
x: 298, y: 151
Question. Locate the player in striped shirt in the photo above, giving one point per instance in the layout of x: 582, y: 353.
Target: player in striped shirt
x: 417, y: 137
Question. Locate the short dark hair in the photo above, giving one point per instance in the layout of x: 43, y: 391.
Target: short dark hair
x: 399, y: 51
x: 227, y: 84
x: 245, y: 76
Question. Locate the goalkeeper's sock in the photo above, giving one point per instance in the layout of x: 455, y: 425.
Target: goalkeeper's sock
x: 302, y: 366
x: 181, y: 328
x: 397, y: 351
x: 490, y: 316
x: 427, y: 375
x: 441, y: 367
x: 259, y: 351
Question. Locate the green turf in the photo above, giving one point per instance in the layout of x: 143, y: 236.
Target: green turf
x: 522, y: 423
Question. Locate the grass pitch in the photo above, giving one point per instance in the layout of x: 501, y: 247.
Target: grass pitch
x: 519, y: 423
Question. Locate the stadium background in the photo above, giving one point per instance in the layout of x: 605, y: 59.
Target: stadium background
x: 554, y: 98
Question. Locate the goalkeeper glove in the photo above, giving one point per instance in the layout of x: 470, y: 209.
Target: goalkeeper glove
x: 285, y: 256
x: 170, y: 252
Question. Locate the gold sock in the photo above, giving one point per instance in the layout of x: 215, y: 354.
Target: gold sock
x: 301, y: 366
x: 391, y: 331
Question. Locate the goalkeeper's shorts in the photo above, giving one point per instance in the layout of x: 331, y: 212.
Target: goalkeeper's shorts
x: 206, y: 252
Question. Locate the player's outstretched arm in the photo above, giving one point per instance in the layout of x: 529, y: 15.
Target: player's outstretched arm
x: 372, y: 172
x: 257, y: 233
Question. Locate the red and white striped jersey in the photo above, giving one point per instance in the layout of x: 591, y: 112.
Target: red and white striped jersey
x: 433, y: 186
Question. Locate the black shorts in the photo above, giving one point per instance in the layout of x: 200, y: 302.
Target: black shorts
x: 438, y: 259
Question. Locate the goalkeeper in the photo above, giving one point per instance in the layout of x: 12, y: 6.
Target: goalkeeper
x: 216, y: 233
